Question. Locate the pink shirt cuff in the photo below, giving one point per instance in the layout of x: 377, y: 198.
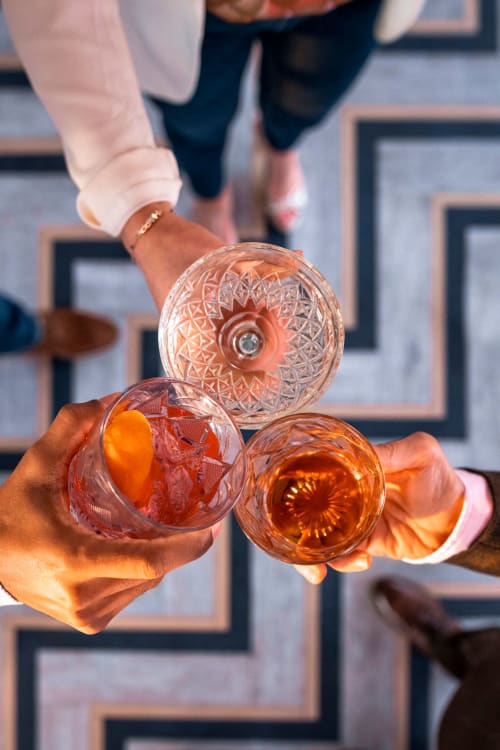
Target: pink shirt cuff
x: 476, y: 513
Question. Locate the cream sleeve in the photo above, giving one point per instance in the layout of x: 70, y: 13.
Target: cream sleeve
x: 76, y: 56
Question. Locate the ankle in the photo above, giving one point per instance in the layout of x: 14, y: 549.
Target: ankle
x: 216, y: 215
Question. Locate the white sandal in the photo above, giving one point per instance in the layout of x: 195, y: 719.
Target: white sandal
x: 293, y: 202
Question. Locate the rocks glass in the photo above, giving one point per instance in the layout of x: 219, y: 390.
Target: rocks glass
x: 314, y: 489
x: 164, y: 458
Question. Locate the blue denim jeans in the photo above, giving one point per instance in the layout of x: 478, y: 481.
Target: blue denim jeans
x: 307, y: 64
x: 19, y: 329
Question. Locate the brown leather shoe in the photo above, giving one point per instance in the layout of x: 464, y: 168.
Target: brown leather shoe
x: 410, y: 608
x: 69, y: 333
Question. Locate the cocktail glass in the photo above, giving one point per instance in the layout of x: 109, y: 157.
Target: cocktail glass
x: 255, y: 326
x: 176, y: 463
x: 314, y: 489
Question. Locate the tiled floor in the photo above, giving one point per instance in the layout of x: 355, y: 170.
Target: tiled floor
x: 236, y: 651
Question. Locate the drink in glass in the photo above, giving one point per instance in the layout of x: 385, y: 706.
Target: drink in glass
x: 314, y: 489
x: 164, y: 457
x: 255, y: 326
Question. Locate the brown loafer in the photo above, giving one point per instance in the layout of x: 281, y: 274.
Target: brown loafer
x: 410, y: 608
x: 68, y: 333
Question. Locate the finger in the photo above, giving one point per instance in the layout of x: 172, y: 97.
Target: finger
x: 107, y: 400
x: 96, y: 616
x: 49, y: 456
x: 312, y: 573
x: 356, y: 562
x: 95, y: 591
x: 408, y: 452
x: 68, y: 430
x: 143, y: 559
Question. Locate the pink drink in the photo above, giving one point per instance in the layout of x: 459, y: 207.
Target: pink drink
x: 194, y: 478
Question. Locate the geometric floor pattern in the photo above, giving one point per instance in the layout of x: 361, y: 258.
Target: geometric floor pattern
x: 236, y: 651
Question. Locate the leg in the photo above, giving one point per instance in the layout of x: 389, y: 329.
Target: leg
x: 197, y: 129
x: 307, y: 69
x: 304, y: 72
x: 19, y: 329
x: 472, y: 718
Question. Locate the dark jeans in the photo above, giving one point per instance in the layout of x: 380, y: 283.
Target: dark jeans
x: 18, y: 328
x: 307, y: 64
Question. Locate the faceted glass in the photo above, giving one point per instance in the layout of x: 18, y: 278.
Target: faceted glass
x: 255, y: 326
x: 314, y: 489
x: 195, y: 471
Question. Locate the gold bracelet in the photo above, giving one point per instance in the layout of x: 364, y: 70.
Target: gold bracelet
x: 150, y: 221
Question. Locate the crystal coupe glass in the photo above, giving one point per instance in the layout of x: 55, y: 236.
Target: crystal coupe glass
x: 163, y: 458
x: 314, y: 489
x: 255, y: 326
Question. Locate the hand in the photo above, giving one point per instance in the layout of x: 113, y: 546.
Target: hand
x: 56, y: 566
x: 424, y: 497
x: 167, y: 249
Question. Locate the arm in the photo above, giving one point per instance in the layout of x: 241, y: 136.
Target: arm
x: 54, y: 565
x: 78, y: 61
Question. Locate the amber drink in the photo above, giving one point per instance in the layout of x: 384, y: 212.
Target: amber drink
x: 314, y: 489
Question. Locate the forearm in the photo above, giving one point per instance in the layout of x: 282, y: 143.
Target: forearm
x: 77, y: 58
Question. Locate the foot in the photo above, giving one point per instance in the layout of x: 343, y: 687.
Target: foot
x: 67, y: 333
x: 285, y: 192
x: 216, y: 215
x: 410, y: 608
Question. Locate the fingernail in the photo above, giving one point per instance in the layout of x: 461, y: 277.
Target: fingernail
x: 311, y: 575
x: 361, y: 563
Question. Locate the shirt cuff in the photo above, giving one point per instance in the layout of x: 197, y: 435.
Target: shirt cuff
x: 126, y: 184
x: 475, y: 515
x: 6, y: 598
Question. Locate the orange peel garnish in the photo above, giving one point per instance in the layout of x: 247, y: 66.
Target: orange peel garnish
x: 128, y: 450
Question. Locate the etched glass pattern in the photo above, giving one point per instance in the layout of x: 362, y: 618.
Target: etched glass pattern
x: 255, y: 326
x: 314, y: 489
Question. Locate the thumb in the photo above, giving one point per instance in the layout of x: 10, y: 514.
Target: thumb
x: 141, y: 559
x: 356, y: 562
x: 68, y: 430
x: 395, y: 455
x: 312, y: 573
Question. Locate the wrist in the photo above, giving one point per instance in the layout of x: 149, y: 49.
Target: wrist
x: 475, y: 514
x: 143, y: 221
